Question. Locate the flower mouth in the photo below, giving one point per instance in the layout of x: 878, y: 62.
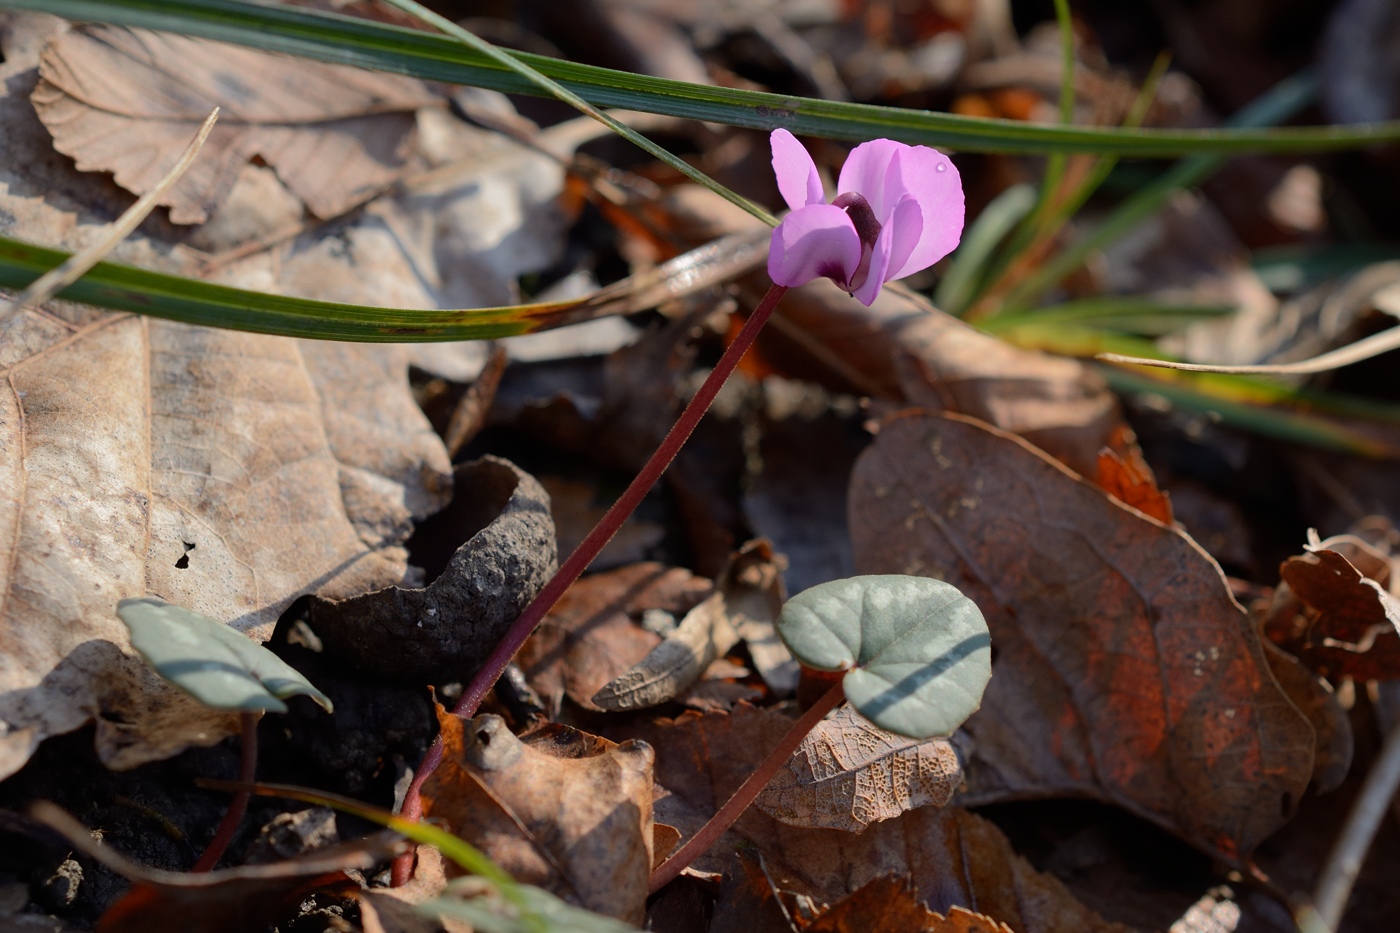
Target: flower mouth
x: 867, y: 228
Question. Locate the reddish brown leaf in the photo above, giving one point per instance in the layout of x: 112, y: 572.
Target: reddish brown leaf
x: 1124, y: 669
x: 562, y: 809
x: 1337, y: 620
x: 952, y: 856
x: 1129, y: 480
x: 591, y: 636
x: 891, y: 903
x: 229, y: 901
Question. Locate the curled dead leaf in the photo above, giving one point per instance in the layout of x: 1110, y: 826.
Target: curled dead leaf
x: 849, y: 773
x: 563, y: 810
x: 121, y: 100
x: 444, y: 629
x: 1125, y: 670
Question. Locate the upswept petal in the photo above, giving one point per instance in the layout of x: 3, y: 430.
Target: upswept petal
x: 879, y: 266
x: 931, y: 178
x: 798, y: 181
x: 866, y: 171
x: 906, y: 229
x: 813, y: 242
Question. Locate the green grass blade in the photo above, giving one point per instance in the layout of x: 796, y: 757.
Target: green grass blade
x: 1123, y: 314
x: 965, y: 269
x: 126, y: 288
x: 335, y: 38
x: 1055, y: 163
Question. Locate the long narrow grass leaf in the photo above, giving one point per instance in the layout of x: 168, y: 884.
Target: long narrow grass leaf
x: 965, y: 268
x: 336, y: 38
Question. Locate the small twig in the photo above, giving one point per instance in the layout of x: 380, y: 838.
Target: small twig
x: 238, y: 806
x: 1363, y: 349
x: 1344, y: 863
x: 77, y: 265
x: 585, y: 553
x: 739, y: 801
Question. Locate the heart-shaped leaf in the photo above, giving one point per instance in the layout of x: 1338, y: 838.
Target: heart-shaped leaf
x: 217, y: 665
x: 917, y: 650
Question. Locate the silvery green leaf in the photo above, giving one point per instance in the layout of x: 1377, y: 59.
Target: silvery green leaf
x: 216, y: 664
x: 917, y: 650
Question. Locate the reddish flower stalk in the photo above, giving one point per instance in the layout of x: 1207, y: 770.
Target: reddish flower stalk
x: 585, y: 553
x: 238, y: 806
x: 747, y: 792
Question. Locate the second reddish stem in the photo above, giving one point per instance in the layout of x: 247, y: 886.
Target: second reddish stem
x: 587, y: 550
x: 748, y: 791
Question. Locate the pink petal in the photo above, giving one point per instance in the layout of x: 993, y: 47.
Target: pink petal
x: 879, y: 266
x: 906, y: 227
x: 811, y: 243
x: 798, y: 180
x: 931, y: 179
x: 865, y: 172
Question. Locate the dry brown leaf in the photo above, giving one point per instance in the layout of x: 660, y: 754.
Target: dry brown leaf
x: 747, y: 901
x: 848, y: 773
x: 1337, y: 620
x: 589, y: 637
x: 1129, y: 480
x: 448, y: 627
x: 392, y: 910
x: 563, y: 810
x: 121, y: 100
x: 222, y: 471
x: 1124, y: 668
x: 891, y: 903
x: 953, y: 857
x: 229, y: 901
x: 903, y: 348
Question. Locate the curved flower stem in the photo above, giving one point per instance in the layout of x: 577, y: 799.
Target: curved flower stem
x: 238, y: 806
x: 747, y: 792
x: 585, y: 553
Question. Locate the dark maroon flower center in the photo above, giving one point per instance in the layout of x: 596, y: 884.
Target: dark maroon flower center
x: 867, y: 228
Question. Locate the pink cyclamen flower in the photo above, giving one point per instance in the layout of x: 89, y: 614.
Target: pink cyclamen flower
x: 899, y: 210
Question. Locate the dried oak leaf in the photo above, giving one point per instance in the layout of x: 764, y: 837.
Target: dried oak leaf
x: 221, y: 471
x: 953, y: 857
x: 127, y: 101
x: 1129, y: 480
x: 1347, y: 625
x: 563, y: 810
x: 230, y: 901
x: 849, y: 773
x: 449, y: 626
x: 591, y: 636
x: 1125, y: 670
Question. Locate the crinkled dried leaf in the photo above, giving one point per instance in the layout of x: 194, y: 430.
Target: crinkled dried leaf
x: 120, y: 100
x: 892, y: 903
x: 953, y: 857
x: 570, y: 812
x: 1353, y: 628
x: 1130, y: 481
x: 210, y: 661
x: 590, y: 636
x: 916, y: 651
x: 1125, y: 670
x: 229, y: 901
x: 848, y: 774
x: 449, y: 626
x: 225, y: 472
x: 747, y: 597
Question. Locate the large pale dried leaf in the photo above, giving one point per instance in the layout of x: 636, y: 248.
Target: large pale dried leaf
x: 122, y: 100
x: 448, y: 627
x: 953, y: 857
x: 568, y: 812
x: 1125, y: 670
x: 903, y: 348
x: 849, y: 773
x: 591, y: 635
x: 224, y: 472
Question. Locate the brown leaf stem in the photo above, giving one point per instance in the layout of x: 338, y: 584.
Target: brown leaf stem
x: 747, y: 792
x: 587, y: 550
x: 238, y: 806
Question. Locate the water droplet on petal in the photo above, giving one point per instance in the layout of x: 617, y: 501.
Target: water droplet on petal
x: 941, y: 167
